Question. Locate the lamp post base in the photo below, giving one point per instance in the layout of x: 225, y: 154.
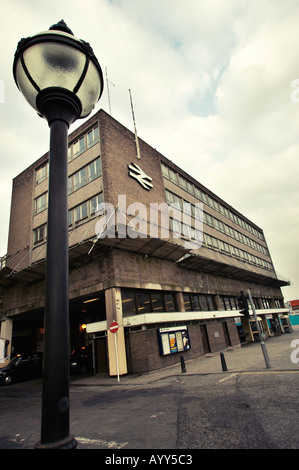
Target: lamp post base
x: 67, y: 443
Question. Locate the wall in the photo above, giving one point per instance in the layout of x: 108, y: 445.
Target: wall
x: 142, y: 347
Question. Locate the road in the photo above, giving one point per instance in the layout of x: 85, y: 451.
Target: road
x: 239, y: 410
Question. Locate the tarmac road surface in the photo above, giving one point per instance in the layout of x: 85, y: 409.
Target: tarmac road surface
x: 246, y: 407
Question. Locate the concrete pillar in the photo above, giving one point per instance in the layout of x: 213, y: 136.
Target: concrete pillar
x: 218, y: 302
x: 265, y: 325
x: 180, y: 302
x: 6, y: 333
x: 247, y: 330
x: 114, y: 313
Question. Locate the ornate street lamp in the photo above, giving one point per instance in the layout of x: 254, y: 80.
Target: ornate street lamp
x: 62, y: 80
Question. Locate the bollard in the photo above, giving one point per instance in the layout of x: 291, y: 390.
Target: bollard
x: 223, y: 363
x: 183, y: 367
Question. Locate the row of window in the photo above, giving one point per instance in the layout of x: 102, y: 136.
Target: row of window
x: 85, y: 210
x: 84, y: 142
x: 231, y: 250
x: 180, y: 229
x: 176, y: 178
x: 140, y: 302
x: 136, y: 302
x: 82, y: 177
x: 230, y: 303
x: 85, y: 175
x: 75, y: 215
x: 198, y: 302
x: 208, y: 219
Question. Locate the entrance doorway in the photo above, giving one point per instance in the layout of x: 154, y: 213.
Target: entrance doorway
x: 226, y: 335
x: 205, y: 339
x: 100, y: 354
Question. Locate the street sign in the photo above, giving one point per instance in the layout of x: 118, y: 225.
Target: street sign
x: 113, y: 328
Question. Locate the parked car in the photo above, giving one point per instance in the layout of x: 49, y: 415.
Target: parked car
x: 22, y: 367
x: 81, y: 360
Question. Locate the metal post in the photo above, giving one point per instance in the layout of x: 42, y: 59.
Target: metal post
x: 60, y: 112
x: 116, y: 356
x: 223, y: 362
x: 263, y: 346
x: 183, y: 367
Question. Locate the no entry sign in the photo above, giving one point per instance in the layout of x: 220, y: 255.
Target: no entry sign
x: 113, y: 327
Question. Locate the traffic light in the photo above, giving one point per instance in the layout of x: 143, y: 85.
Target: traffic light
x: 243, y: 304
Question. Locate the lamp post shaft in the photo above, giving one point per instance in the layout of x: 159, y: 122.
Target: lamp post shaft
x: 55, y: 397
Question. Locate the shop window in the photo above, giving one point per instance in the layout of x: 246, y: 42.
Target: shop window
x: 187, y: 302
x: 157, y: 302
x: 169, y: 302
x: 210, y: 302
x: 140, y: 302
x: 198, y: 302
x: 128, y: 303
x: 195, y: 303
x: 143, y: 302
x: 203, y: 303
x: 228, y: 303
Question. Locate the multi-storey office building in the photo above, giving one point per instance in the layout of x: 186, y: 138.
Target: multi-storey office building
x: 164, y: 257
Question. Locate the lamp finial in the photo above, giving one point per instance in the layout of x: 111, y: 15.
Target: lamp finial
x: 61, y: 26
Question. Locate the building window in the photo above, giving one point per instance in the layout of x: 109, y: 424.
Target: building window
x: 210, y: 201
x: 128, y: 303
x: 228, y: 303
x: 39, y: 234
x: 79, y: 179
x: 83, y: 142
x: 95, y: 202
x: 41, y: 203
x: 85, y: 175
x: 157, y: 302
x: 198, y: 302
x: 94, y: 169
x: 169, y: 302
x: 266, y: 303
x: 173, y: 176
x: 165, y: 170
x: 93, y: 136
x: 42, y: 173
x: 85, y: 210
x: 141, y: 302
x: 80, y: 212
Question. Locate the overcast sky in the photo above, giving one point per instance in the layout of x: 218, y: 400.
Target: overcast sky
x: 211, y: 83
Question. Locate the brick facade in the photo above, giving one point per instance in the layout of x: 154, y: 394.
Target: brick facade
x: 101, y: 270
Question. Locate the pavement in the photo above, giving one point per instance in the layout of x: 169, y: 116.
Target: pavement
x: 283, y: 353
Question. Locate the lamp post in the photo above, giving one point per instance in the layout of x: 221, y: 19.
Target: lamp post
x: 62, y: 80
